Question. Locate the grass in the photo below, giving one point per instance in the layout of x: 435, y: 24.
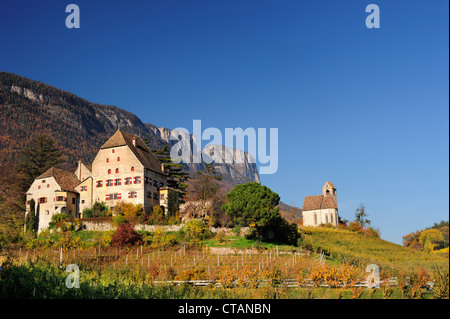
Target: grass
x: 345, y: 246
x: 110, y: 272
x: 244, y: 243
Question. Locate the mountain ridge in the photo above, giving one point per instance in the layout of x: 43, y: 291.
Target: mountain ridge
x: 79, y: 126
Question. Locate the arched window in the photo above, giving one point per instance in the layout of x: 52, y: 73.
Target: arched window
x: 107, y: 160
x: 118, y: 159
x: 113, y: 150
x: 328, y: 192
x: 109, y: 171
x: 331, y: 217
x: 132, y: 169
x: 315, y: 219
x: 326, y: 219
x: 117, y: 171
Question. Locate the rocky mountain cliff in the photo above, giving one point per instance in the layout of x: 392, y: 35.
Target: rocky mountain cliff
x: 80, y: 127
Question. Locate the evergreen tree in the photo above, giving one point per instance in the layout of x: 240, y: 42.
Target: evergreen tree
x: 38, y: 157
x: 177, y: 176
x: 255, y: 205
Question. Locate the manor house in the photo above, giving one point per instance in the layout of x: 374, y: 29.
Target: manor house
x: 124, y: 169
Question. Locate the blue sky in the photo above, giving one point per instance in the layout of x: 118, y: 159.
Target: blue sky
x: 367, y: 109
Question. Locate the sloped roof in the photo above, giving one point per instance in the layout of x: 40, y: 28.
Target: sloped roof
x: 65, y: 179
x: 329, y: 183
x: 141, y: 150
x: 88, y: 166
x: 318, y: 202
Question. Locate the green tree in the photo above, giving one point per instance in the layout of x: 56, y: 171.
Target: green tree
x: 255, y: 205
x: 177, y: 176
x: 361, y: 216
x: 173, y: 203
x: 31, y: 222
x: 38, y: 157
x: 99, y: 209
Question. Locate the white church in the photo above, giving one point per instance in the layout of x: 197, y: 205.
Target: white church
x: 321, y: 209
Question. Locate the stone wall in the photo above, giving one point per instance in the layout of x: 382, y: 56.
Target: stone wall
x: 106, y: 224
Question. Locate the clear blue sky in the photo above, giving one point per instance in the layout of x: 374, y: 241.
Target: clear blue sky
x: 367, y: 109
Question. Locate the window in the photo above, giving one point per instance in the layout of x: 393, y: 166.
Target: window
x: 118, y: 159
x: 117, y: 171
x: 113, y: 196
x: 161, y: 196
x: 149, y: 195
x: 43, y: 181
x: 331, y: 217
x: 132, y: 194
x: 117, y: 182
x: 315, y: 219
x: 128, y: 181
x: 137, y: 180
x: 60, y: 199
x: 42, y: 200
x: 48, y: 185
x: 109, y: 182
x: 82, y: 201
x: 83, y: 188
x: 132, y: 169
x: 155, y: 196
x: 113, y: 151
x: 39, y: 186
x: 326, y: 219
x: 99, y: 183
x: 109, y: 171
x: 107, y: 160
x: 73, y: 200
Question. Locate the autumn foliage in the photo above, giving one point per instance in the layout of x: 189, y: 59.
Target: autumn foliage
x: 125, y: 235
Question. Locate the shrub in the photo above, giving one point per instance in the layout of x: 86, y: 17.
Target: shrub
x: 196, y: 231
x: 157, y: 217
x: 99, y: 209
x: 57, y: 218
x: 162, y: 239
x: 127, y: 209
x: 118, y: 220
x: 125, y: 235
x: 441, y: 283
